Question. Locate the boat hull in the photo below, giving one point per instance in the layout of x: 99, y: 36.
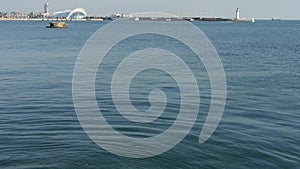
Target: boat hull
x: 57, y: 25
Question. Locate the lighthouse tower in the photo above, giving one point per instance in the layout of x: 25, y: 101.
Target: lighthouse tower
x: 237, y: 14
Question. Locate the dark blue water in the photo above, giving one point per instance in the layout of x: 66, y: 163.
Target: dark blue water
x: 260, y: 126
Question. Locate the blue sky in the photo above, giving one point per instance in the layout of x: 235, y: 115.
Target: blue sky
x: 288, y: 9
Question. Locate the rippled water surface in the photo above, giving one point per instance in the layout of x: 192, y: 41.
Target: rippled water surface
x: 260, y: 126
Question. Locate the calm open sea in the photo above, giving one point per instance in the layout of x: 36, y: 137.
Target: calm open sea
x: 260, y: 127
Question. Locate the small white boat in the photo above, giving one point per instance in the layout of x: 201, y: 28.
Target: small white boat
x: 276, y: 19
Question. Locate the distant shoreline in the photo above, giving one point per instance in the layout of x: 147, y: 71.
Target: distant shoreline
x: 135, y: 18
x: 40, y: 19
x: 156, y: 19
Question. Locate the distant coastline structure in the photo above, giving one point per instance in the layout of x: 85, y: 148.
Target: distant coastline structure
x: 153, y: 16
x: 78, y: 13
x: 46, y: 10
x: 239, y: 19
x: 237, y: 14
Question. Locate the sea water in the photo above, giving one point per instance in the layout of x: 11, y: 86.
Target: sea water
x: 260, y: 125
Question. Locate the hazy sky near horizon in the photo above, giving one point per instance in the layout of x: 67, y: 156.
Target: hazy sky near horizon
x: 217, y: 8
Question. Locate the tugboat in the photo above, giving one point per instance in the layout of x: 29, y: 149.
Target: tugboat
x: 57, y: 25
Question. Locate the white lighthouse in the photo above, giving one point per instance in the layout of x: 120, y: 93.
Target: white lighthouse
x: 237, y: 14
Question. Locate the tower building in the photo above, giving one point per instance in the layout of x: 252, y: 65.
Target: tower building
x: 46, y: 9
x: 237, y: 13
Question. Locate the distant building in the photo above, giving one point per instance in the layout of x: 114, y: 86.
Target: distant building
x: 78, y: 13
x: 237, y: 13
x: 36, y: 15
x: 46, y: 10
x: 239, y: 19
